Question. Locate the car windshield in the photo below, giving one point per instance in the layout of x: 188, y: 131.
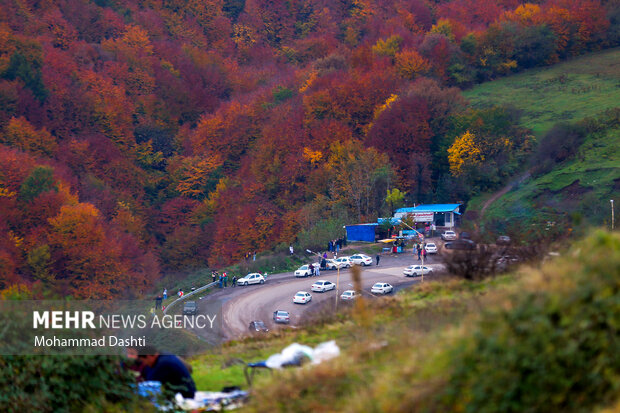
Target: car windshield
x: 377, y: 285
x: 190, y: 304
x: 303, y: 267
x: 282, y: 313
x: 300, y: 294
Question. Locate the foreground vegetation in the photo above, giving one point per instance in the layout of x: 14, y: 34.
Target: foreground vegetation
x: 540, y: 340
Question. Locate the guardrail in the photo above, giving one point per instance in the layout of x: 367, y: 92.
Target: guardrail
x: 196, y: 291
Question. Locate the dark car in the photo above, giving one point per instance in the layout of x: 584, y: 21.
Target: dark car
x: 464, y: 235
x: 460, y: 244
x: 258, y: 326
x: 190, y: 308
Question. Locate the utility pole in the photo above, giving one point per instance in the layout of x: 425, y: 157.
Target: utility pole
x: 612, y: 214
x: 423, y: 247
x: 337, y: 285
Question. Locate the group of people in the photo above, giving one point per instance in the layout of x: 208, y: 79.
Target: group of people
x: 315, y: 270
x: 250, y: 256
x: 222, y: 279
x: 336, y: 245
x: 419, y: 249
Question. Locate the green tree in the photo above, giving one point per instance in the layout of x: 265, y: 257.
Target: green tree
x: 40, y: 180
x: 29, y: 72
x: 395, y: 199
x: 39, y: 259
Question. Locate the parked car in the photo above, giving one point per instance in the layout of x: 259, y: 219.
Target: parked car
x: 417, y: 270
x: 381, y: 288
x: 431, y: 248
x: 464, y: 235
x: 252, y: 278
x: 322, y: 286
x: 343, y: 262
x: 281, y: 317
x: 304, y: 271
x: 348, y: 295
x: 190, y: 308
x: 360, y: 259
x: 302, y: 297
x: 460, y: 244
x: 503, y: 240
x: 448, y: 236
x: 331, y: 264
x: 258, y: 326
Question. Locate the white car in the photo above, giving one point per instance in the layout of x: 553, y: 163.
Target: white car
x: 343, y: 262
x: 252, y: 278
x: 381, y: 288
x: 305, y: 271
x: 302, y: 297
x: 348, y: 295
x: 431, y: 248
x: 360, y: 259
x: 417, y: 270
x: 448, y: 236
x: 323, y: 285
x: 331, y: 264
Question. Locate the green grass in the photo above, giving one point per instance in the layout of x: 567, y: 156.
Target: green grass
x: 569, y: 91
x: 433, y: 302
x: 538, y: 342
x: 582, y: 185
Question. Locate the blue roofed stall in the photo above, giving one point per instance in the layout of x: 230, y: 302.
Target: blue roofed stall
x: 441, y: 215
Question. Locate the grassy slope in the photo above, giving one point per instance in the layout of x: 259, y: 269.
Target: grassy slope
x: 452, y: 296
x: 544, y: 340
x: 567, y: 92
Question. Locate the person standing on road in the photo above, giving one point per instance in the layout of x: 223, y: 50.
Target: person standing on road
x: 221, y: 280
x: 158, y: 302
x: 424, y: 252
x: 214, y: 275
x: 225, y: 280
x: 317, y: 271
x: 419, y: 251
x: 378, y: 258
x: 165, y: 293
x: 234, y: 281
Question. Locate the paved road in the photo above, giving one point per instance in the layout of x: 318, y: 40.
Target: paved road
x: 258, y: 302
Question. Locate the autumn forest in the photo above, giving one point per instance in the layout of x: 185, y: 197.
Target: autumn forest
x: 139, y: 137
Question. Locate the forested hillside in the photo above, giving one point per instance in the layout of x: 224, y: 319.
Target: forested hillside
x: 144, y: 136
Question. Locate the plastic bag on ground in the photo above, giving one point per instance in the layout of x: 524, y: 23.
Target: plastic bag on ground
x: 294, y: 355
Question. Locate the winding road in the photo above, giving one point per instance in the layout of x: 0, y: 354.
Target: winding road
x: 240, y: 305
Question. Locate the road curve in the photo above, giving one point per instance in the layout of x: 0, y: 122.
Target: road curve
x: 240, y: 305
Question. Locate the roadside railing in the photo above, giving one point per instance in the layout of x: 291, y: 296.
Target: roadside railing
x: 190, y: 294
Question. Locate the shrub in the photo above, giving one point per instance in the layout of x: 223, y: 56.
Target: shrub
x: 558, y: 145
x: 553, y: 348
x: 66, y: 384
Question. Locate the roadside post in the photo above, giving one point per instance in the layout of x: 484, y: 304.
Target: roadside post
x: 337, y: 285
x: 423, y: 247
